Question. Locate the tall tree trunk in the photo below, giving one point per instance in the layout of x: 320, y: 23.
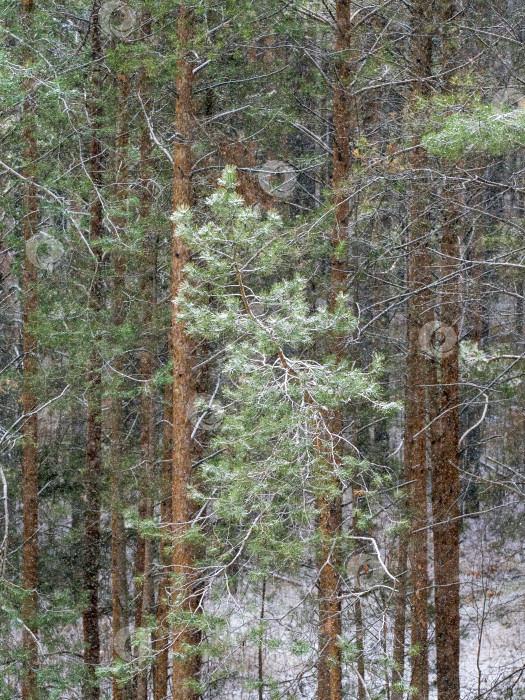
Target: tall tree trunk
x: 260, y: 659
x: 90, y: 616
x: 399, y: 633
x: 162, y: 632
x: 445, y: 467
x: 446, y: 483
x: 329, y: 683
x: 416, y: 459
x: 29, y: 400
x: 186, y: 662
x: 121, y: 691
x: 358, y: 615
x: 144, y: 597
x: 418, y: 367
x: 400, y: 612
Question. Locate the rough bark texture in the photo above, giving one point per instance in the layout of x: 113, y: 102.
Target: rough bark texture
x: 330, y: 509
x: 161, y: 643
x: 445, y: 467
x: 329, y: 671
x: 144, y: 593
x: 418, y: 366
x: 90, y: 615
x: 29, y: 400
x: 329, y: 683
x: 358, y: 615
x: 186, y: 663
x: 118, y: 533
x: 398, y: 651
x: 416, y: 459
x: 446, y: 487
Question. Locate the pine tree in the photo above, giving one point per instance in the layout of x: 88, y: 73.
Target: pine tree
x: 418, y: 367
x: 144, y: 603
x: 91, y: 563
x: 287, y: 398
x: 120, y: 595
x: 294, y: 485
x: 185, y: 660
x: 445, y: 442
x: 30, y: 367
x: 331, y: 515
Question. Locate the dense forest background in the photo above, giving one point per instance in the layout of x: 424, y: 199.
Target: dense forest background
x: 262, y: 418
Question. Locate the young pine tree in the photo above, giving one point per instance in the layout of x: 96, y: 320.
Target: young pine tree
x: 274, y: 463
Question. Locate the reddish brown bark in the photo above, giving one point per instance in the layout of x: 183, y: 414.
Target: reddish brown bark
x: 91, y: 564
x: 342, y: 139
x: 446, y: 485
x: 329, y: 682
x: 415, y: 456
x: 161, y: 644
x: 186, y: 663
x: 445, y: 444
x: 144, y: 594
x: 418, y: 369
x: 121, y: 691
x: 29, y: 399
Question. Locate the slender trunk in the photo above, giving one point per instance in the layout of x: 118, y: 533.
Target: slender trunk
x: 329, y: 672
x: 29, y: 400
x: 162, y: 632
x: 398, y: 653
x: 118, y: 534
x: 446, y: 486
x: 186, y: 662
x: 329, y: 683
x: 144, y: 597
x: 400, y: 616
x: 418, y: 369
x: 90, y: 616
x: 416, y: 463
x: 358, y: 616
x: 260, y: 663
x: 445, y: 468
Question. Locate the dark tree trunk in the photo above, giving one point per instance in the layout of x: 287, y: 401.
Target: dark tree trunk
x: 121, y: 644
x: 418, y: 368
x: 90, y: 616
x: 329, y: 682
x: 186, y: 665
x: 445, y: 467
x: 144, y: 596
x: 162, y: 633
x: 446, y: 486
x: 29, y: 399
